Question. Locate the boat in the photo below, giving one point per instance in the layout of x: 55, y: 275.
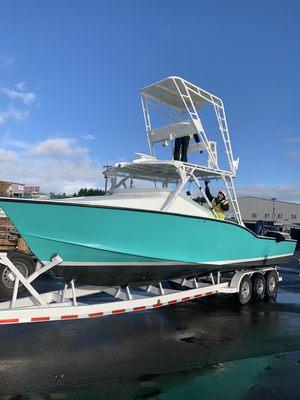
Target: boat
x: 156, y: 232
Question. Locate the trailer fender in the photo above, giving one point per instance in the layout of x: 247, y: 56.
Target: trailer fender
x: 237, y: 278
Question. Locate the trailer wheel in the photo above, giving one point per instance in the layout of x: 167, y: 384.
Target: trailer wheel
x: 258, y: 287
x: 25, y: 265
x: 245, y: 290
x: 271, y: 284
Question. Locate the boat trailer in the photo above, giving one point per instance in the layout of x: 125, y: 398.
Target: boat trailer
x: 64, y: 304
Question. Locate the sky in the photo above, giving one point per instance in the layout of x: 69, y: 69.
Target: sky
x: 71, y: 72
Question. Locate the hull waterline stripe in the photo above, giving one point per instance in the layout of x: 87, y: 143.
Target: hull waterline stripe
x: 160, y: 263
x: 250, y: 259
x: 120, y: 264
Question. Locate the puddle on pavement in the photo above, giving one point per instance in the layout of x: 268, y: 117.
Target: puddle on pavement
x: 261, y: 378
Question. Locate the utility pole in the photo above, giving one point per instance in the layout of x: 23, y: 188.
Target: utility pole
x: 274, y: 214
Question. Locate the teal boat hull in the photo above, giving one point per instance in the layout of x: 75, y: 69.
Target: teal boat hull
x: 110, y: 245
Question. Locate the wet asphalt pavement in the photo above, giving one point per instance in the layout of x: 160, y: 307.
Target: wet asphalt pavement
x: 210, y: 348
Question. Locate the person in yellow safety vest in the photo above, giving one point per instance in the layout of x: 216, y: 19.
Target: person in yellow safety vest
x: 219, y: 204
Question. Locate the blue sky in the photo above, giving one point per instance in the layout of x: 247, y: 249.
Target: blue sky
x: 71, y: 71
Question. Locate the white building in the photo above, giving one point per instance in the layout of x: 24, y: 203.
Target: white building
x: 11, y: 189
x: 269, y: 210
x: 17, y: 189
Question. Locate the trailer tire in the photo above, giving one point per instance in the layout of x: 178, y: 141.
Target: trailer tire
x: 271, y: 278
x: 245, y: 290
x: 258, y: 287
x: 25, y: 265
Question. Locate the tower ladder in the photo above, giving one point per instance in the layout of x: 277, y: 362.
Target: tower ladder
x: 221, y: 117
x: 228, y: 181
x: 184, y: 93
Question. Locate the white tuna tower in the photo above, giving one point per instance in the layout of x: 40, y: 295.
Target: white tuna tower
x: 180, y: 101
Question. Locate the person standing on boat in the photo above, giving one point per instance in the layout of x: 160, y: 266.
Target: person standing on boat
x: 219, y: 204
x: 181, y: 146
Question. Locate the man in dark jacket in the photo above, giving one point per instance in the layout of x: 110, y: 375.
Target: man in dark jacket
x: 181, y: 146
x: 219, y: 204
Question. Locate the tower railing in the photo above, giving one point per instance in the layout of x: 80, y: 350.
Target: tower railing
x: 186, y: 99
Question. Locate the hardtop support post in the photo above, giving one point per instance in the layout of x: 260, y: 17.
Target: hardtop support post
x: 147, y: 123
x: 185, y: 175
x: 204, y: 195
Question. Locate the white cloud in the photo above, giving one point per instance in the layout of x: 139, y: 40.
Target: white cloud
x: 294, y: 154
x: 69, y: 176
x: 8, y: 155
x: 293, y: 139
x: 284, y: 192
x: 57, y: 164
x: 19, y: 93
x: 5, y: 60
x: 57, y: 148
x: 17, y: 143
x: 13, y: 114
x: 65, y: 174
x: 21, y: 85
x: 6, y: 140
x: 88, y: 136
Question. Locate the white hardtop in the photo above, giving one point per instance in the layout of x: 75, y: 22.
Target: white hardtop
x: 172, y: 175
x: 165, y: 171
x: 166, y: 92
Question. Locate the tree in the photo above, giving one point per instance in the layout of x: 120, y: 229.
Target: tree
x: 90, y: 192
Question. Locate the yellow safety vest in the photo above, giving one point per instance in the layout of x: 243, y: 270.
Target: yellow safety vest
x: 217, y: 208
